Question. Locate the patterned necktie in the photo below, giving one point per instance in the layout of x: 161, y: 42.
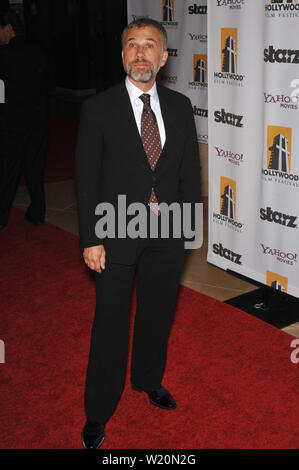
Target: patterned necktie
x: 151, y: 142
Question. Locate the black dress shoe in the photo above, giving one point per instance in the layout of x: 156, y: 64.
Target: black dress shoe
x: 36, y: 222
x: 159, y: 397
x: 93, y: 435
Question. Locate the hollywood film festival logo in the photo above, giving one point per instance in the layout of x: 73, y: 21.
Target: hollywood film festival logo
x: 200, y: 72
x: 227, y: 215
x: 282, y: 8
x: 229, y: 59
x: 276, y: 281
x: 168, y: 14
x: 279, y: 157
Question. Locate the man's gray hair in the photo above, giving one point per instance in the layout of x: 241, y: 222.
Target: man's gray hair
x: 142, y: 23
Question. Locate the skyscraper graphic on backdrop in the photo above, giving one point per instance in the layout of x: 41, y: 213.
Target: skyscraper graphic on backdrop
x: 200, y: 68
x: 168, y: 10
x: 229, y: 49
x: 276, y: 285
x: 228, y: 203
x: 279, y: 148
x: 279, y: 154
x: 277, y: 281
x: 228, y: 197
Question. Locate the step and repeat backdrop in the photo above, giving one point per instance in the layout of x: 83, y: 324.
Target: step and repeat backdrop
x: 254, y: 139
x: 252, y: 68
x: 186, y: 69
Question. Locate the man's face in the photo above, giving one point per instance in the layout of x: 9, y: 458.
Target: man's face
x: 6, y: 33
x: 143, y: 53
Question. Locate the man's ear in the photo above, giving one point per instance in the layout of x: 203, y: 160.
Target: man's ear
x: 164, y: 58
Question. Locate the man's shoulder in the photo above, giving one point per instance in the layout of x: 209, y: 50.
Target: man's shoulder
x: 105, y: 97
x: 172, y: 95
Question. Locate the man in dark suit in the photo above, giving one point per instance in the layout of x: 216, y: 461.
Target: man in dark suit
x: 23, y: 118
x: 136, y: 139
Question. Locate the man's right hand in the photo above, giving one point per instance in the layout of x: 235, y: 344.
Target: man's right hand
x: 95, y: 257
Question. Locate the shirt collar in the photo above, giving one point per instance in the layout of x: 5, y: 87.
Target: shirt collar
x: 135, y: 92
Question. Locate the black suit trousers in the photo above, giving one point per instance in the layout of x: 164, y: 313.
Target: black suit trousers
x: 158, y: 266
x: 22, y: 152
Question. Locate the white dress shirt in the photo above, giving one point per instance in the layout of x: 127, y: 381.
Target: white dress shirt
x: 137, y: 106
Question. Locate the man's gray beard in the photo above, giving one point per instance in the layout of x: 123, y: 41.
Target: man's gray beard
x: 144, y: 78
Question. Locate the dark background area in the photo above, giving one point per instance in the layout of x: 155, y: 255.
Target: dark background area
x: 81, y: 40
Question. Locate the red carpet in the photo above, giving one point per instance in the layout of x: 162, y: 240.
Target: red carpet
x: 230, y: 373
x: 61, y: 148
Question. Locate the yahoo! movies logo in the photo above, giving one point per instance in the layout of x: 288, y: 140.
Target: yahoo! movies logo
x: 281, y: 256
x: 198, y: 37
x: 229, y: 156
x: 281, y: 8
x: 200, y: 72
x: 228, y: 205
x: 229, y: 59
x: 168, y: 79
x: 231, y: 4
x: 279, y: 156
x: 277, y: 281
x: 283, y: 101
x: 168, y: 17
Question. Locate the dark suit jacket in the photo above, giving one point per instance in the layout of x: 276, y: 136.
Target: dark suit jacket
x: 110, y: 160
x: 23, y: 70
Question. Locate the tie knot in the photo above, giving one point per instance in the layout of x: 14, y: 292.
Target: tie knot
x: 145, y: 98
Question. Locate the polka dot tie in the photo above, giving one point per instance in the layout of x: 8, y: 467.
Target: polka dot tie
x: 151, y: 142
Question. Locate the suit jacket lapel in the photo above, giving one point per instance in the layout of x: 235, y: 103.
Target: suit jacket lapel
x: 167, y: 115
